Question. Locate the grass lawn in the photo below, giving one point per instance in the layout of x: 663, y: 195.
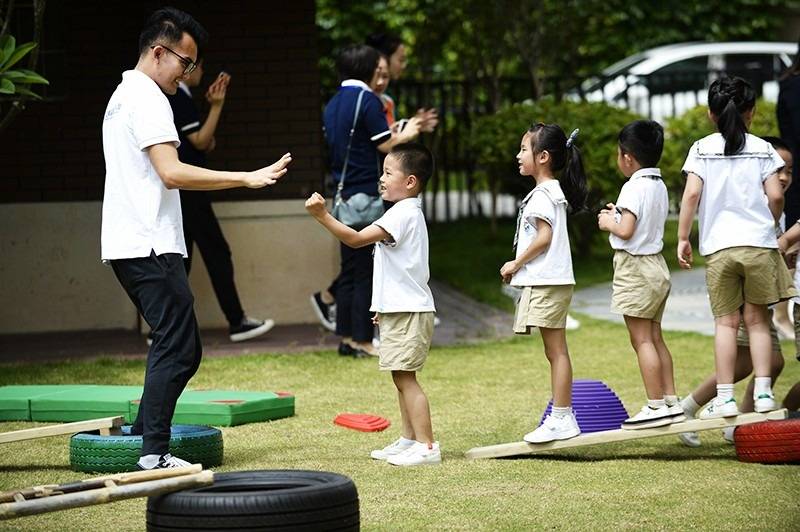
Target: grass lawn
x: 466, y: 256
x: 480, y: 395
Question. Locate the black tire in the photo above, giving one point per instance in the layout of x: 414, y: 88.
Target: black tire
x: 91, y: 453
x: 260, y: 500
x: 769, y: 442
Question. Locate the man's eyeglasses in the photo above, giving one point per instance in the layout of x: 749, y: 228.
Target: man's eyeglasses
x: 189, y: 66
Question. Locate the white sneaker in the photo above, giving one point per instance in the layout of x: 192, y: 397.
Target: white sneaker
x: 418, y: 454
x: 765, y: 403
x: 676, y: 411
x: 689, y: 439
x: 166, y: 461
x: 727, y: 433
x: 648, y: 418
x: 719, y: 408
x: 394, y: 448
x: 554, y: 428
x: 572, y: 323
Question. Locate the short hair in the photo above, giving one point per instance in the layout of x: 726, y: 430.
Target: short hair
x: 167, y: 25
x: 644, y: 140
x: 415, y: 159
x: 357, y: 61
x: 778, y: 143
x: 385, y: 43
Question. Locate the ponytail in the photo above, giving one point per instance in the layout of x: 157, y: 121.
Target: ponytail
x: 728, y: 100
x: 564, y: 155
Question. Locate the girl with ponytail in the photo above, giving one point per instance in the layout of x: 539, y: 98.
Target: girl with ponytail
x: 542, y: 266
x: 732, y: 178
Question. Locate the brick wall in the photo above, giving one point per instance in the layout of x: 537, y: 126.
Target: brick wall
x: 53, y: 151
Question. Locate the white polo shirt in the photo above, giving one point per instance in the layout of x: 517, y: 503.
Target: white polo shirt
x: 554, y: 265
x: 400, y: 274
x: 139, y: 213
x: 733, y: 205
x: 645, y: 196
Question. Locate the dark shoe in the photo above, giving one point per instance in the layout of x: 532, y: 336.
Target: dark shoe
x: 250, y: 328
x: 167, y: 461
x: 326, y: 314
x: 346, y: 350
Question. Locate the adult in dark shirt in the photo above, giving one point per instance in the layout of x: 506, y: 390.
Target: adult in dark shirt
x: 788, y: 111
x: 200, y: 224
x: 358, y: 65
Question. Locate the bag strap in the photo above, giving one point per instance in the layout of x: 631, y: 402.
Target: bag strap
x: 339, y: 188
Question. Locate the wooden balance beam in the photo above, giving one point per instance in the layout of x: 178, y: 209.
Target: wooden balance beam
x: 107, y: 426
x: 50, y: 498
x: 610, y: 436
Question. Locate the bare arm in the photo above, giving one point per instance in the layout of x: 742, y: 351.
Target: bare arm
x: 606, y: 221
x: 175, y: 174
x: 789, y: 238
x: 348, y: 236
x: 689, y: 203
x: 215, y: 96
x: 544, y: 234
x: 774, y: 192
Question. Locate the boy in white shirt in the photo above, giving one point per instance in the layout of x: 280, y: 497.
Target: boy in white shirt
x: 401, y: 299
x: 641, y: 277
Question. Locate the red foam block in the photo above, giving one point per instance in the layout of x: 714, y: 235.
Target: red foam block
x: 362, y: 422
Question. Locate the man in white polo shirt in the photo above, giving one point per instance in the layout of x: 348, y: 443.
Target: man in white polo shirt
x: 142, y: 233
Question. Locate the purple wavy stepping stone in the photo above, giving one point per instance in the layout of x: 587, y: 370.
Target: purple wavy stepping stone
x: 596, y: 406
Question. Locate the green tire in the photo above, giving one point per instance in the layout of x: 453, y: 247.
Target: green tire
x: 91, y: 453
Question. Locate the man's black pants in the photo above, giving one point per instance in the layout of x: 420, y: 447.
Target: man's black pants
x: 354, y: 294
x: 159, y: 288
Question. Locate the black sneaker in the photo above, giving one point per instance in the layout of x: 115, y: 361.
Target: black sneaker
x: 346, y: 350
x: 326, y: 314
x: 167, y: 461
x: 250, y: 328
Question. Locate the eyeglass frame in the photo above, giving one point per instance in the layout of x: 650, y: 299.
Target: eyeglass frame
x: 189, y: 66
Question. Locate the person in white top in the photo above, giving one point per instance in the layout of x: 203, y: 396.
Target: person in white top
x: 732, y: 177
x: 641, y: 277
x: 142, y: 234
x: 401, y: 300
x: 543, y: 264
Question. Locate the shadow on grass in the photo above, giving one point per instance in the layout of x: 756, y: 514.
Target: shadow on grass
x: 17, y: 468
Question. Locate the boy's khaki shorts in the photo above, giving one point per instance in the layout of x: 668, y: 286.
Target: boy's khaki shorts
x: 405, y: 340
x: 641, y: 285
x: 542, y: 306
x: 743, y: 339
x: 745, y: 273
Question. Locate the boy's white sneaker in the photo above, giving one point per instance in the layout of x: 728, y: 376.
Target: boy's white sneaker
x: 719, y: 408
x: 689, y: 439
x: 648, y: 418
x: 394, y: 448
x: 676, y: 411
x: 765, y: 403
x: 728, y: 434
x: 554, y: 428
x: 418, y: 454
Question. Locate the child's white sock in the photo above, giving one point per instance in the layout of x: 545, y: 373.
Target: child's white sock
x: 689, y: 405
x: 149, y: 461
x: 406, y: 441
x: 763, y: 386
x: 561, y: 411
x: 655, y: 404
x: 671, y: 400
x: 725, y: 391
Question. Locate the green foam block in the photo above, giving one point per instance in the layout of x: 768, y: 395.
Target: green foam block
x: 228, y: 408
x: 87, y: 402
x: 15, y: 400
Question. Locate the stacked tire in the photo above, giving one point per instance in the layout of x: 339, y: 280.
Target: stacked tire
x: 275, y: 500
x: 91, y: 453
x: 769, y: 442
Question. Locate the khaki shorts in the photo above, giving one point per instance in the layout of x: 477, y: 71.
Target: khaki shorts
x: 542, y: 306
x: 641, y: 285
x: 405, y: 340
x: 796, y: 316
x: 743, y: 339
x: 755, y: 275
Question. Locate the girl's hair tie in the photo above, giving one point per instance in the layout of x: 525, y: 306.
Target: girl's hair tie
x: 572, y: 137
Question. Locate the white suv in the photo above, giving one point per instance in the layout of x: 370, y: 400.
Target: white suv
x: 668, y: 80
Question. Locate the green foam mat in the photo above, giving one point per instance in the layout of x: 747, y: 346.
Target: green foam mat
x: 228, y: 408
x: 15, y: 401
x: 85, y: 401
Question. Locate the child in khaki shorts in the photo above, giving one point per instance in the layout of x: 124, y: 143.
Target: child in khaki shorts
x: 732, y: 177
x: 401, y: 298
x: 641, y: 279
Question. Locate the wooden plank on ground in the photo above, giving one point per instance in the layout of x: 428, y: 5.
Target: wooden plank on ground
x: 64, y: 428
x: 609, y: 436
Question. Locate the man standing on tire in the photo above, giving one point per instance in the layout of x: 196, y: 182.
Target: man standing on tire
x: 142, y: 233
